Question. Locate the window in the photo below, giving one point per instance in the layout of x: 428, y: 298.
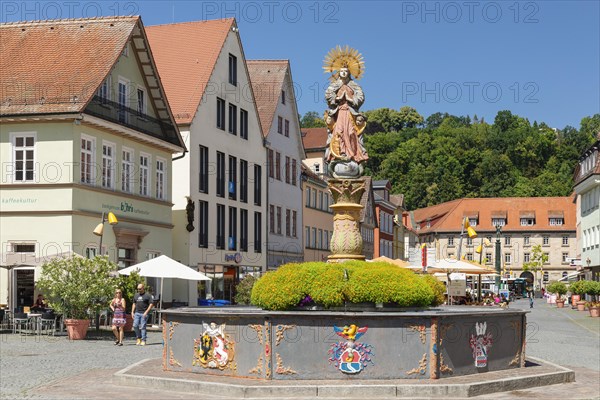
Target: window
x: 287, y: 169
x: 244, y: 181
x: 23, y: 157
x: 257, y: 232
x: 565, y: 258
x: 232, y: 119
x: 232, y: 184
x: 320, y: 239
x: 104, y: 89
x: 526, y: 240
x: 279, y: 125
x: 526, y: 257
x: 308, y: 190
x: 473, y: 221
x: 565, y: 240
x: 547, y: 257
x: 283, y: 97
x: 220, y: 226
x: 313, y: 201
x: 469, y: 241
x: 203, y: 178
x: 320, y: 200
x: 325, y: 201
x: 287, y: 128
x: 126, y: 170
x: 326, y: 238
x: 203, y: 224
x: 488, y: 258
x: 277, y: 166
x: 144, y: 174
x: 243, y: 230
x: 23, y: 247
x: 125, y: 257
x: 220, y: 114
x: 498, y: 221
x: 546, y: 240
x: 257, y: 184
x: 556, y: 221
x: 243, y: 124
x: 294, y: 172
x: 108, y: 165
x: 546, y: 276
x: 271, y: 163
x: 469, y: 256
x: 507, y: 240
x: 122, y: 101
x: 160, y: 179
x: 564, y: 274
x: 288, y: 222
x: 279, y: 220
x: 527, y: 221
x: 141, y: 101
x: 507, y: 258
x: 91, y: 252
x: 233, y: 70
x: 232, y: 243
x: 220, y: 174
x: 294, y: 223
x: 87, y: 160
x: 450, y: 240
x: 271, y: 218
x: 307, y: 242
x: 314, y: 238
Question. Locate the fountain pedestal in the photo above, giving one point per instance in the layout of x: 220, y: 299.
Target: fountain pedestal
x: 346, y: 241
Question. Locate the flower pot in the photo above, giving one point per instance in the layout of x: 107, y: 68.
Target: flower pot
x: 574, y: 299
x: 594, y: 311
x: 560, y: 303
x: 581, y: 305
x: 77, y: 328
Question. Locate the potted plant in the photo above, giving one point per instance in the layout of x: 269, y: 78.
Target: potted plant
x: 593, y: 289
x: 128, y: 285
x: 579, y: 288
x: 559, y: 289
x: 77, y: 287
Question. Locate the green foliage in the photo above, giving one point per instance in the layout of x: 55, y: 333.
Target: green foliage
x: 592, y: 288
x: 244, y: 289
x: 128, y: 285
x: 77, y: 285
x: 578, y: 287
x: 558, y: 288
x: 438, y: 288
x: 312, y: 119
x: 331, y: 285
x: 448, y: 157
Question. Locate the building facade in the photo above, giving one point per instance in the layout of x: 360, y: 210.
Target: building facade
x: 85, y: 129
x: 587, y: 189
x: 524, y: 222
x: 385, y: 210
x: 318, y: 216
x: 368, y: 220
x: 219, y: 188
x: 276, y: 103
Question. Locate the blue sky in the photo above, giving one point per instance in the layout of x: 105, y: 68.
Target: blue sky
x: 539, y: 59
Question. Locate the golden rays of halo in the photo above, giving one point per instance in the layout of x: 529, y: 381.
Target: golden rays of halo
x: 348, y: 57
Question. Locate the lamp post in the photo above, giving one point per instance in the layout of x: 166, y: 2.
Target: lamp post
x: 498, y: 231
x: 99, y: 231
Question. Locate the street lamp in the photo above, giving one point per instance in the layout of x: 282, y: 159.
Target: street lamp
x: 99, y: 231
x: 498, y: 231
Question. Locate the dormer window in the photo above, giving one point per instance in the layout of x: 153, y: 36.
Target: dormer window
x: 556, y: 217
x: 498, y: 221
x: 473, y: 221
x: 104, y: 89
x: 527, y: 221
x: 588, y: 163
x: 556, y: 221
x: 527, y: 218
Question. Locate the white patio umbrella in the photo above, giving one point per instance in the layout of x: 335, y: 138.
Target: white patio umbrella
x: 165, y: 267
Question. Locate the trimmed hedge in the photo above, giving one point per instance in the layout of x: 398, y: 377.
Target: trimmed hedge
x: 331, y: 285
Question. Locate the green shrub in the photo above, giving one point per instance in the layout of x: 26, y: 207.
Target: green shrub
x: 558, y: 288
x: 592, y: 288
x: 438, y: 288
x: 244, y: 289
x: 353, y: 281
x: 578, y: 287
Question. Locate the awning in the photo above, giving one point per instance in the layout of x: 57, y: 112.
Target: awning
x: 499, y: 214
x: 556, y: 214
x: 527, y: 214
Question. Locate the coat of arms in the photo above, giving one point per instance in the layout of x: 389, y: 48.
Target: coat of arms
x: 214, y: 349
x: 350, y: 356
x: 480, y: 343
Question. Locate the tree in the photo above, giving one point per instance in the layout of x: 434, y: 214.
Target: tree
x: 536, y: 262
x: 409, y: 117
x: 312, y: 119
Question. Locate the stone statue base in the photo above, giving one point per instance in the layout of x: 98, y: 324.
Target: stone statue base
x: 346, y: 241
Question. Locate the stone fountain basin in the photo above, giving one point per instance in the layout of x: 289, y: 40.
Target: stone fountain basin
x: 423, y: 344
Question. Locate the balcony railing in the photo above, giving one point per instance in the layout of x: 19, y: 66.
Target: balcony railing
x: 117, y: 113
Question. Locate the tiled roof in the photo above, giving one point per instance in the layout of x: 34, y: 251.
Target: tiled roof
x: 186, y: 54
x: 397, y: 199
x: 314, y: 138
x: 267, y: 77
x: 447, y: 217
x: 56, y: 66
x: 364, y: 201
x: 310, y: 173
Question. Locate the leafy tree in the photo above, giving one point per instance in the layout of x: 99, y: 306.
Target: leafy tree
x: 312, y: 119
x: 536, y: 264
x: 409, y: 117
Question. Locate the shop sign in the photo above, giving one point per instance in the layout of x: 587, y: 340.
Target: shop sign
x: 237, y: 258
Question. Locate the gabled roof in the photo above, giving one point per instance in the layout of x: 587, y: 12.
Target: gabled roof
x: 55, y: 66
x: 186, y: 54
x: 448, y: 217
x: 314, y: 138
x: 267, y: 78
x: 397, y: 199
x: 364, y: 201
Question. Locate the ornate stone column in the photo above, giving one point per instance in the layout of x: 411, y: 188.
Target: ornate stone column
x: 346, y: 241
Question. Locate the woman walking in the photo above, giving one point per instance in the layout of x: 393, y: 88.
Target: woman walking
x: 117, y: 305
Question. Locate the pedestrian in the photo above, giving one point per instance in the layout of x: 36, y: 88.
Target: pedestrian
x: 142, y: 304
x: 531, y: 299
x: 118, y: 307
x: 40, y: 304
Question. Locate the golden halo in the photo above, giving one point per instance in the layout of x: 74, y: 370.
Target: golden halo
x: 346, y: 57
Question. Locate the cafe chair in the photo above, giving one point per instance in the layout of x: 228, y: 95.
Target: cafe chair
x: 20, y: 323
x: 48, y: 323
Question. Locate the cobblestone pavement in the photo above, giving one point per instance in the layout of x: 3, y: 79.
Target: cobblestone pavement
x: 56, y: 368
